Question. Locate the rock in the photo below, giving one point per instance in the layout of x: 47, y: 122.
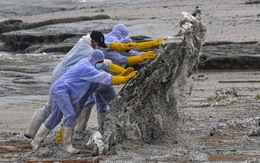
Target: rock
x: 230, y: 62
x: 20, y: 40
x: 18, y: 36
x: 252, y: 2
x: 11, y: 25
x: 230, y: 55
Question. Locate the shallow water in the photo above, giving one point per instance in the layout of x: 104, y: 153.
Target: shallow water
x: 31, y: 7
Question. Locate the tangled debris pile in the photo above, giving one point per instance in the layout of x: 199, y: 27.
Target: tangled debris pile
x: 145, y: 109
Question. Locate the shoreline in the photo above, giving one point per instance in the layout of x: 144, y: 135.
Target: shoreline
x: 225, y: 22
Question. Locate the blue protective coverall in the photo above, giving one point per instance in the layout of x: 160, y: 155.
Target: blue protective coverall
x: 119, y: 34
x: 75, y: 86
x: 106, y: 94
x: 81, y: 49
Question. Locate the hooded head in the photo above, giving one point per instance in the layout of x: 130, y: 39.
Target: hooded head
x: 96, y: 56
x: 118, y: 33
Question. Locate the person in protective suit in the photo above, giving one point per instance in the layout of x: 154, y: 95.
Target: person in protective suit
x: 81, y: 49
x: 105, y: 95
x: 74, y: 87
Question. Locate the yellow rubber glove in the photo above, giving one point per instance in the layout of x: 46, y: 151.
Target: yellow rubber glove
x: 115, y: 68
x: 140, y: 58
x: 145, y: 45
x: 59, y: 136
x: 127, y: 71
x: 122, y: 79
x: 116, y: 46
x: 148, y: 55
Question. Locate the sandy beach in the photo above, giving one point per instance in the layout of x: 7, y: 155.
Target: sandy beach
x: 202, y: 138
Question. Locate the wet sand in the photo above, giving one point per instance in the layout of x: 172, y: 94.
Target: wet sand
x: 205, y: 135
x: 206, y: 131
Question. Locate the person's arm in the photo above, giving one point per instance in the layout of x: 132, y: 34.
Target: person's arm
x: 140, y: 58
x: 140, y: 46
x: 117, y: 46
x: 148, y: 44
x: 115, y: 80
x: 115, y: 68
x: 134, y: 53
x: 117, y: 58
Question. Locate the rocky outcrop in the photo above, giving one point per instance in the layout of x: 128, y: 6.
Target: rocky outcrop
x: 17, y: 36
x: 13, y: 24
x: 60, y: 35
x: 230, y: 55
x: 252, y: 2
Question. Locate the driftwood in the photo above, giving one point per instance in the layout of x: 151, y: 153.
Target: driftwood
x: 146, y: 108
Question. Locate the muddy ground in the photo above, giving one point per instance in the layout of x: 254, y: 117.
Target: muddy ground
x: 215, y: 125
x: 212, y: 128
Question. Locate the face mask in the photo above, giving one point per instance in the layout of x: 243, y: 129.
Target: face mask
x: 97, y: 47
x: 98, y: 66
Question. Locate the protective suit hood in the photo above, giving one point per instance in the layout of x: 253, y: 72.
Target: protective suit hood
x: 118, y: 33
x: 87, y: 39
x: 96, y: 56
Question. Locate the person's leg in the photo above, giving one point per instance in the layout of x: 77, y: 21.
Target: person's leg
x: 64, y: 102
x: 85, y: 114
x: 91, y: 101
x: 77, y: 111
x: 103, y: 98
x: 40, y: 135
x: 51, y: 122
x: 55, y: 117
x: 38, y: 118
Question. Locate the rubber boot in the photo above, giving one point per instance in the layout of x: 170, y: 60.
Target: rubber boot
x: 58, y: 138
x: 67, y: 140
x: 101, y: 119
x: 40, y: 135
x: 148, y: 44
x: 34, y: 125
x: 83, y: 119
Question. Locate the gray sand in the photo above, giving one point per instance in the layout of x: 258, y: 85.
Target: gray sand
x: 211, y: 129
